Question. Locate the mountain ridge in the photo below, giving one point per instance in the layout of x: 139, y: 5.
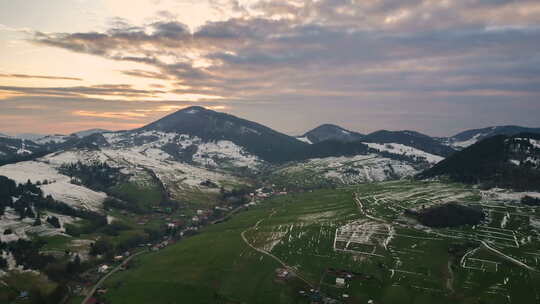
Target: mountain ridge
x: 498, y: 161
x: 330, y: 132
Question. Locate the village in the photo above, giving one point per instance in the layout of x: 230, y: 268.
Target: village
x: 177, y: 227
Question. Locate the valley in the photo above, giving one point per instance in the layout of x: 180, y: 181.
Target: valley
x: 356, y: 233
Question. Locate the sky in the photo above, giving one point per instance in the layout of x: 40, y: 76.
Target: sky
x: 435, y: 66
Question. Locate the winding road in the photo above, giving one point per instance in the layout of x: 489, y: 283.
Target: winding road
x: 509, y: 258
x: 291, y: 269
x: 93, y: 290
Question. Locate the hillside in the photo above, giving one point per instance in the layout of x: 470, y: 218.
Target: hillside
x: 209, y: 125
x: 499, y: 161
x: 469, y: 137
x: 282, y: 250
x: 411, y: 139
x: 14, y: 149
x: 330, y: 132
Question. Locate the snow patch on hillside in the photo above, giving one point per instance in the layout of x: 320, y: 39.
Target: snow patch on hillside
x: 465, y: 143
x: 56, y: 139
x: 169, y: 172
x: 208, y: 153
x: 22, y: 228
x: 535, y: 143
x: 354, y: 169
x: 59, y: 186
x: 74, y: 156
x: 213, y: 154
x: 401, y: 149
x: 498, y: 194
x: 304, y: 139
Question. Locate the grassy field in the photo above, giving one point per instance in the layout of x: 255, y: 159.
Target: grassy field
x: 326, y: 234
x: 145, y: 197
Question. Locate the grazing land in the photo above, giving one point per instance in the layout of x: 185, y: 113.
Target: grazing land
x: 362, y: 234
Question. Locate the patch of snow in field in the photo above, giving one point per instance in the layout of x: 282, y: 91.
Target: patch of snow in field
x: 466, y: 143
x: 353, y: 169
x: 59, y: 187
x: 401, y: 149
x: 506, y: 195
x: 74, y: 156
x: 304, y: 139
x: 535, y: 143
x: 534, y: 222
x: 21, y: 228
x: 227, y: 150
x: 363, y: 232
x: 314, y: 217
x: 505, y: 219
x: 514, y: 162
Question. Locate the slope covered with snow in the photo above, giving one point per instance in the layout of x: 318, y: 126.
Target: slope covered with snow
x: 59, y: 185
x: 400, y: 149
x: 185, y: 148
x: 342, y: 171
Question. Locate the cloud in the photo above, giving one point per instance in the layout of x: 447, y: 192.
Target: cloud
x: 115, y: 115
x: 40, y: 77
x: 364, y: 53
x: 66, y: 114
x: 121, y: 90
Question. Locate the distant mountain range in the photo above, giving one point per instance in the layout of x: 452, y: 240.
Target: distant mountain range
x: 84, y: 133
x: 260, y: 141
x: 188, y: 148
x: 469, y: 137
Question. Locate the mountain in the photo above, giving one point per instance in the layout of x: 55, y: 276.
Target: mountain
x: 329, y: 132
x: 469, y: 137
x: 14, y: 149
x: 85, y: 133
x: 501, y: 161
x: 410, y: 139
x: 209, y: 125
x: 28, y: 136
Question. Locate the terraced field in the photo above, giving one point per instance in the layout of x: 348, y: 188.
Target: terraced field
x: 359, y: 234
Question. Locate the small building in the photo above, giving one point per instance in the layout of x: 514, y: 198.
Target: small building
x: 23, y: 295
x: 340, y: 282
x: 92, y: 301
x: 282, y: 273
x: 103, y: 268
x: 118, y: 257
